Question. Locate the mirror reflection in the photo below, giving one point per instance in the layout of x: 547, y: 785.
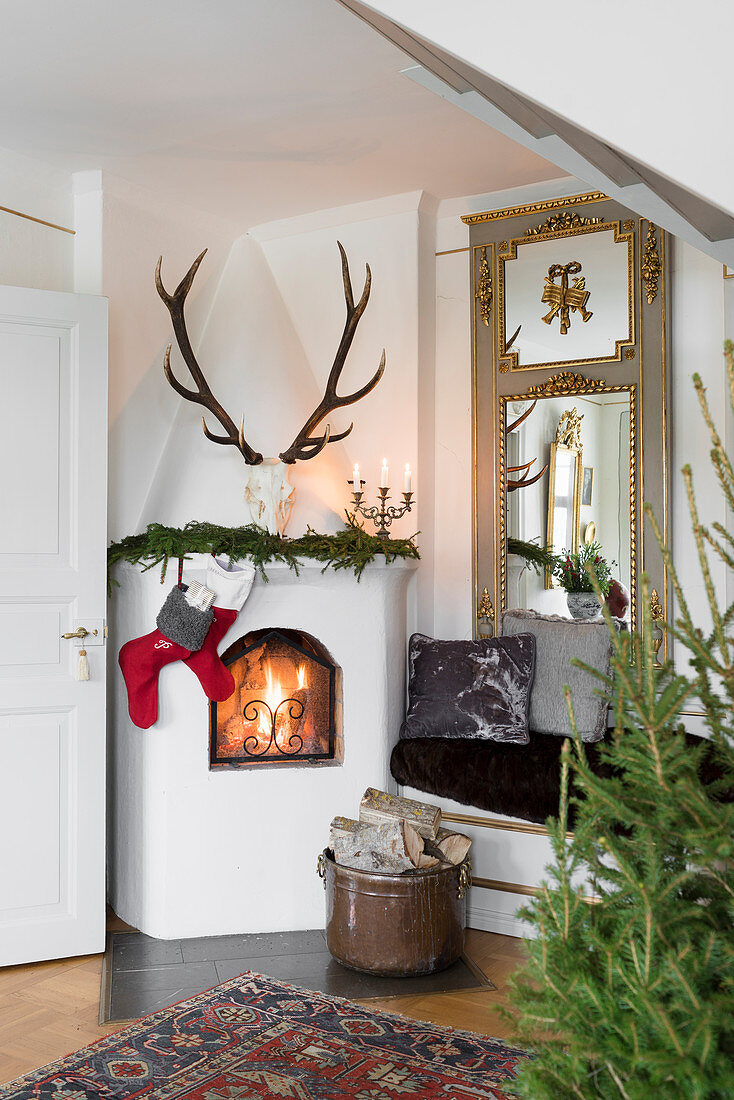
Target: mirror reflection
x: 583, y: 497
x: 564, y: 486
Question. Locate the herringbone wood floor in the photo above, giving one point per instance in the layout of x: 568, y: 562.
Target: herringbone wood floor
x: 50, y: 1009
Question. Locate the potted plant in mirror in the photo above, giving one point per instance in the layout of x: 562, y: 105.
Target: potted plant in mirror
x: 574, y: 572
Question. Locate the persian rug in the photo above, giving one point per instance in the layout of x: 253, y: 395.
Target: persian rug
x: 255, y: 1037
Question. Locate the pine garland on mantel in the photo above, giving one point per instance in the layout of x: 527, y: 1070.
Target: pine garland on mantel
x: 352, y: 548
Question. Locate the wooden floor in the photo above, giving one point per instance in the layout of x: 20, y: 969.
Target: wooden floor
x: 50, y: 1009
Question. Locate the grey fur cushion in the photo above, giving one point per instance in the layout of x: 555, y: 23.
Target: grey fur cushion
x: 182, y: 623
x: 470, y: 689
x: 558, y: 641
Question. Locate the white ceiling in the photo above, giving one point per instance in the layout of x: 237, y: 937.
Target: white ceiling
x: 254, y: 111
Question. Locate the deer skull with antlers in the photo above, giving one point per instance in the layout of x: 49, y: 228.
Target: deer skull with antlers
x: 268, y: 492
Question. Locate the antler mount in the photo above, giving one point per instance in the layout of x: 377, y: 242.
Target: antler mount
x: 305, y: 445
x: 202, y: 395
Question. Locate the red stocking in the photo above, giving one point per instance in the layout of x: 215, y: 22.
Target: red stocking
x: 215, y: 678
x: 141, y: 660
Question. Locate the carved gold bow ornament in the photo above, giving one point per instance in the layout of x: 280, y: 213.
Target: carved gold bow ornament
x: 563, y: 299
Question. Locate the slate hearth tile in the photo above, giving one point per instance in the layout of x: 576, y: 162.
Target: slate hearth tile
x: 286, y: 967
x: 322, y: 973
x: 339, y: 981
x: 134, y: 951
x: 132, y: 1004
x: 252, y: 945
x: 201, y: 974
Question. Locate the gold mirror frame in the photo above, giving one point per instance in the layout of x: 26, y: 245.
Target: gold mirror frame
x: 642, y: 369
x: 582, y: 388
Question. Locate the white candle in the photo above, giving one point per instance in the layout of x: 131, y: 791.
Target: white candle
x: 407, y: 481
x: 357, y: 479
x: 384, y: 475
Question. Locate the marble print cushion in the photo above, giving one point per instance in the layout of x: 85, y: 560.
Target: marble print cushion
x: 470, y: 688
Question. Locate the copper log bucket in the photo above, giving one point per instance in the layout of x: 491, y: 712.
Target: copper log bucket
x: 396, y: 925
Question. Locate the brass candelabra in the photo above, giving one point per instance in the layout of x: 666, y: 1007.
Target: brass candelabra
x: 382, y: 514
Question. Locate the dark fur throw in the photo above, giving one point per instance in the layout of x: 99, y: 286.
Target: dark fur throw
x: 521, y: 781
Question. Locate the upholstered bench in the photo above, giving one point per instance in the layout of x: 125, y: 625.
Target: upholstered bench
x: 520, y: 781
x: 483, y: 736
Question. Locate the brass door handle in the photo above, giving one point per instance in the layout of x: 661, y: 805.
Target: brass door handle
x: 81, y: 632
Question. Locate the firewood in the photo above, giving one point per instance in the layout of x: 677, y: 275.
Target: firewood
x: 379, y: 806
x: 391, y: 847
x: 415, y: 846
x: 343, y: 826
x: 454, y: 846
x: 430, y: 847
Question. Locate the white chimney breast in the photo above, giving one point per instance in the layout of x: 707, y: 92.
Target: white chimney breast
x: 195, y: 852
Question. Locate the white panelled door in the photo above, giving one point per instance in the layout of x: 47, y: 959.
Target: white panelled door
x: 53, y: 534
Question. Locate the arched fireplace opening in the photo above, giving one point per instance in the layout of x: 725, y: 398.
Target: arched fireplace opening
x: 286, y: 705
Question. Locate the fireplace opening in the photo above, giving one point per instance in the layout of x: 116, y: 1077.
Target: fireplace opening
x: 284, y: 708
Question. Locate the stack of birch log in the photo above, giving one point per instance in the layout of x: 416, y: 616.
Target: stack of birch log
x: 395, y: 836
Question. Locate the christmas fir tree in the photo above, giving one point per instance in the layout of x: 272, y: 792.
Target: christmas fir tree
x: 628, y: 992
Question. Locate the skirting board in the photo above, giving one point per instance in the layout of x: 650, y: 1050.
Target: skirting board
x: 482, y: 915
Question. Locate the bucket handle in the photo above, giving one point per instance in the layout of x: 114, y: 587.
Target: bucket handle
x: 464, y: 878
x: 321, y: 868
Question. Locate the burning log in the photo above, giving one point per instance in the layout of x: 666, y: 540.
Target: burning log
x: 378, y: 807
x: 390, y: 847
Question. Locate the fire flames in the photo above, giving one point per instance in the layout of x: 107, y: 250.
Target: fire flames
x: 281, y: 706
x: 275, y: 692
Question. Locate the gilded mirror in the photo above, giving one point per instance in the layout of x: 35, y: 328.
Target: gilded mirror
x: 570, y: 312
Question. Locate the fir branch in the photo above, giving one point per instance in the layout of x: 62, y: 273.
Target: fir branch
x: 351, y: 548
x: 538, y: 557
x: 704, y: 564
x: 634, y: 997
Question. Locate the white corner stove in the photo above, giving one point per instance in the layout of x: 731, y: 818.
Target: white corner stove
x: 217, y: 814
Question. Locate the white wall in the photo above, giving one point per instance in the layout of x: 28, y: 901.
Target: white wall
x: 136, y: 228
x: 35, y: 254
x: 698, y: 332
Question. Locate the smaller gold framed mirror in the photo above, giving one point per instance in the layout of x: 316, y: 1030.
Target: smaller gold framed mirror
x: 564, y: 487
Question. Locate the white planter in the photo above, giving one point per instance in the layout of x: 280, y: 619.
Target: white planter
x: 583, y: 605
